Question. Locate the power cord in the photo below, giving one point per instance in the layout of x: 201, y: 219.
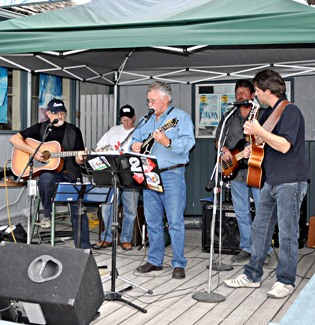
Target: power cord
x: 7, y: 199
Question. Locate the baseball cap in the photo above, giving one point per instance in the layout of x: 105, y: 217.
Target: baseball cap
x: 56, y: 105
x: 126, y: 110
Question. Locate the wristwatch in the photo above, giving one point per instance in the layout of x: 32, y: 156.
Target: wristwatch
x: 169, y: 146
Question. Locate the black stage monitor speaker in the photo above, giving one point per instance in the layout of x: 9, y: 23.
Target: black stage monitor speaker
x: 48, y: 285
x: 230, y: 233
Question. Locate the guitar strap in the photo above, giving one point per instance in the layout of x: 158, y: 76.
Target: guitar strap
x: 161, y: 122
x: 273, y: 119
x: 170, y: 110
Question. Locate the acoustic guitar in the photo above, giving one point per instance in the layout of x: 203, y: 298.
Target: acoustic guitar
x: 53, y: 158
x: 255, y: 174
x: 147, y: 144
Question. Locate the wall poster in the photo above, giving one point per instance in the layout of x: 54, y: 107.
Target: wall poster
x: 211, y: 102
x: 3, y: 95
x: 50, y: 87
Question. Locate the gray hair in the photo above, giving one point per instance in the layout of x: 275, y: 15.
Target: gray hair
x: 162, y: 87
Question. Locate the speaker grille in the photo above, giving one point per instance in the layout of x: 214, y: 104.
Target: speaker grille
x: 229, y: 235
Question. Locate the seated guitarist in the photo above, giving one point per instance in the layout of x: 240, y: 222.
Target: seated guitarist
x: 70, y: 137
x: 233, y: 142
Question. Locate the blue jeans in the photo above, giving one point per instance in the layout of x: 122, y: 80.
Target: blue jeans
x: 173, y: 202
x: 129, y: 200
x: 280, y: 204
x: 46, y: 187
x: 241, y: 203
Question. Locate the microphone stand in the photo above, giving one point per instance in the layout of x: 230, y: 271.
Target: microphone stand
x: 211, y: 296
x: 220, y: 266
x: 31, y: 183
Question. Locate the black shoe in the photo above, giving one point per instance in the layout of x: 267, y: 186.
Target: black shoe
x: 178, y: 273
x: 148, y: 267
x: 241, y: 257
x: 101, y: 244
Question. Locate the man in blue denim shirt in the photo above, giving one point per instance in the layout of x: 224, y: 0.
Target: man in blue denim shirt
x: 286, y: 175
x: 171, y: 148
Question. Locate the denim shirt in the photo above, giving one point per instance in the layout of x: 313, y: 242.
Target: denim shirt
x: 181, y: 133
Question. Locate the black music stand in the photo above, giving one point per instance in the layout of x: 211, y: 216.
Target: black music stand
x: 81, y: 193
x: 128, y: 170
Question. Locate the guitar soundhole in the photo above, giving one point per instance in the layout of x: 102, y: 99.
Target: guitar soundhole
x: 46, y: 155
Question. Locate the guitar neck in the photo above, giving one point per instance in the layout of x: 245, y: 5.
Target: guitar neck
x: 239, y: 155
x: 147, y: 141
x: 171, y: 123
x: 163, y: 128
x: 64, y: 154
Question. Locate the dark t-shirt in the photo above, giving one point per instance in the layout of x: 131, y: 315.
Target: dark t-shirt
x: 233, y: 130
x: 57, y: 134
x: 292, y: 166
x: 74, y: 142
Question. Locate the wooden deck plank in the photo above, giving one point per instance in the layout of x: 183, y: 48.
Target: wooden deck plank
x: 172, y: 300
x: 306, y: 268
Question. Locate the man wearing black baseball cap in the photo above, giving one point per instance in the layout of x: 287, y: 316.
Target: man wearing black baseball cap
x: 70, y: 139
x: 127, y: 110
x: 55, y: 106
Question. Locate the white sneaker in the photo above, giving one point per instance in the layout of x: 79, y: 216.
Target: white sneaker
x: 280, y: 290
x: 242, y: 281
x: 45, y: 223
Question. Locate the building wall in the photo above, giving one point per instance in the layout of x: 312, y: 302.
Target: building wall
x: 202, y: 158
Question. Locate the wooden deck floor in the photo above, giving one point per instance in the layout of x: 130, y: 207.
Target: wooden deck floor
x: 171, y: 301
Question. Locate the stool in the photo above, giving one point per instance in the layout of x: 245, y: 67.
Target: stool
x: 54, y: 215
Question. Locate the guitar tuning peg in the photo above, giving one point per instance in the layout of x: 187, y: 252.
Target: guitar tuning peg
x: 254, y: 102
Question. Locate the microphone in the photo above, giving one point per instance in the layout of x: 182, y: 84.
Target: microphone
x: 245, y: 103
x: 151, y: 112
x: 209, y: 186
x: 55, y: 121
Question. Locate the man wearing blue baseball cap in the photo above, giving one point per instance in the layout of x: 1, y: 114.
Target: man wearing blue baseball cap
x: 70, y: 139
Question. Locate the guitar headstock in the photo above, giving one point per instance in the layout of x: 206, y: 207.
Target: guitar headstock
x: 170, y: 124
x: 254, y: 110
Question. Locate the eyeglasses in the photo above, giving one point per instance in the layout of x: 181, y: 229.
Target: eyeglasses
x: 153, y: 101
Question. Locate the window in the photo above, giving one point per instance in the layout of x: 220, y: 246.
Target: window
x: 11, y: 102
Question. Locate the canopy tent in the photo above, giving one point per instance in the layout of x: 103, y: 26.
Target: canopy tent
x: 123, y: 41
x: 117, y: 42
